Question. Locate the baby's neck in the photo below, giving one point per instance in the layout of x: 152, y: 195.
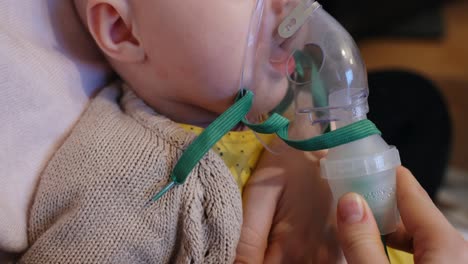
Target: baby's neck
x: 186, y: 114
x: 179, y: 111
x: 183, y: 113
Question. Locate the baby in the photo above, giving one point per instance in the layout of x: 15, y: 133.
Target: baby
x: 180, y: 66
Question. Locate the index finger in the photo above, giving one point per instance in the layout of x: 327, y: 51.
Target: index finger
x: 419, y: 214
x: 260, y: 198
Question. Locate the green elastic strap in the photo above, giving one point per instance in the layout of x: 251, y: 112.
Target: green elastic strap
x: 355, y: 131
x: 275, y: 124
x: 206, y: 140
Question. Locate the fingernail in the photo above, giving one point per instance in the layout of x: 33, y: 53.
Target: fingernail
x: 350, y: 208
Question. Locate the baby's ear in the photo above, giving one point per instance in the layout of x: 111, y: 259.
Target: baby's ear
x: 112, y: 26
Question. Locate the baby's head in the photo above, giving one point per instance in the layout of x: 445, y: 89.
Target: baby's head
x: 185, y: 58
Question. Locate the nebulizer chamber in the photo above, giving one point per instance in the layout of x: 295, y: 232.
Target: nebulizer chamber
x: 327, y: 89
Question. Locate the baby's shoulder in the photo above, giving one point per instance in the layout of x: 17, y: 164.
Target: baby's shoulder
x: 117, y: 125
x: 109, y: 139
x: 94, y: 193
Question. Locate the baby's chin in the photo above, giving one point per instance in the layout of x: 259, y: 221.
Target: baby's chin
x: 264, y: 105
x: 259, y: 114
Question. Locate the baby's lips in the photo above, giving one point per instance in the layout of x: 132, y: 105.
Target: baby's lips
x: 282, y: 62
x: 291, y: 65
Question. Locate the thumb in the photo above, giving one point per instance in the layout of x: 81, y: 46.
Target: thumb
x: 357, y: 231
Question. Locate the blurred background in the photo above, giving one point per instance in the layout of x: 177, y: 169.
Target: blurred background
x: 399, y: 40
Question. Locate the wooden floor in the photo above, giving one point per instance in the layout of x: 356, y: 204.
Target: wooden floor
x: 444, y: 61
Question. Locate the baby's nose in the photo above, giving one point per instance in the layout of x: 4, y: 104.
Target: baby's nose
x: 283, y: 7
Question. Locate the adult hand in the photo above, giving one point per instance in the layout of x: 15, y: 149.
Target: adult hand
x: 286, y: 211
x: 424, y: 230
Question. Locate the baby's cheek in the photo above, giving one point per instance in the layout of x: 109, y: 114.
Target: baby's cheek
x: 184, y: 70
x: 162, y: 73
x: 224, y: 73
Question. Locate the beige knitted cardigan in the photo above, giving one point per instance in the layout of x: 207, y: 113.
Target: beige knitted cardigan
x: 90, y: 203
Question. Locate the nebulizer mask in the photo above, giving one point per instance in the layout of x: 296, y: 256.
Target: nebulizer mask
x: 304, y: 80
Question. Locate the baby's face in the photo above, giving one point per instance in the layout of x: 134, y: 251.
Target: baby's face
x: 196, y: 50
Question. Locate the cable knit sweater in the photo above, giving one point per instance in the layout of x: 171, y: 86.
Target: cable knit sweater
x: 90, y: 203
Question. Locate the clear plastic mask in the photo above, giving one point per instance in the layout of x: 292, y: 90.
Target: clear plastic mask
x: 301, y: 63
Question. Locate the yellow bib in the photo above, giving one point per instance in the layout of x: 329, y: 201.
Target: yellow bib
x: 240, y: 150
